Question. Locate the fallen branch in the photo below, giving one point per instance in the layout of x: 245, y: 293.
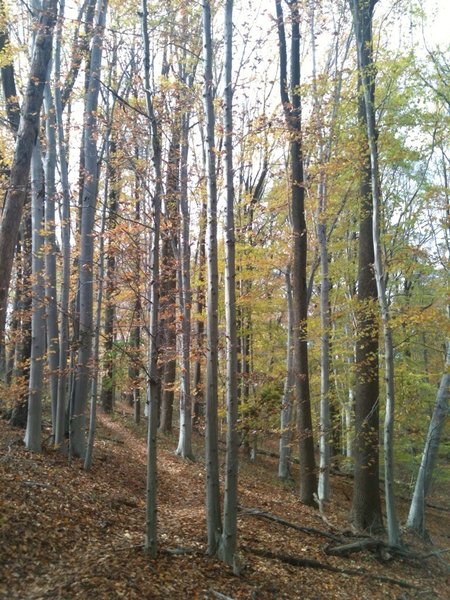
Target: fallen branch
x: 256, y: 512
x: 219, y: 595
x: 36, y: 484
x: 310, y: 563
x: 347, y: 549
x: 181, y: 551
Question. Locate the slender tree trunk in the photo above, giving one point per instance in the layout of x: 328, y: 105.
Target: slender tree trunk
x: 98, y: 318
x: 228, y: 543
x: 65, y: 243
x: 22, y: 351
x: 289, y: 384
x: 26, y: 137
x: 135, y: 365
x: 169, y: 281
x: 8, y: 76
x: 199, y: 327
x: 213, y: 517
x: 80, y: 47
x: 349, y: 402
x: 185, y: 439
x: 153, y: 387
x: 416, y: 515
x: 34, y: 422
x: 322, y: 237
x: 89, y: 202
x: 51, y: 252
x: 325, y: 417
x: 108, y: 384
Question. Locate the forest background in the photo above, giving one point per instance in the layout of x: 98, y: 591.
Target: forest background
x: 248, y: 222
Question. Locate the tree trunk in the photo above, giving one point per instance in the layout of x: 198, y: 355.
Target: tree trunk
x: 185, y: 438
x: 292, y: 109
x: 228, y: 542
x: 51, y: 252
x: 169, y: 281
x: 366, y: 506
x: 34, y: 422
x: 362, y: 15
x: 8, y: 76
x: 26, y: 138
x: 199, y: 327
x: 416, y: 515
x: 107, y: 393
x: 65, y: 244
x: 289, y: 383
x: 98, y: 318
x: 22, y: 350
x: 213, y: 517
x: 153, y: 386
x: 89, y: 202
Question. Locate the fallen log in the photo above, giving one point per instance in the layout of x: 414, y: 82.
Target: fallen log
x: 358, y: 546
x: 310, y: 563
x: 256, y: 512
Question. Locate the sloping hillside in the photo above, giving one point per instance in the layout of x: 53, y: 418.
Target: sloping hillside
x: 70, y: 534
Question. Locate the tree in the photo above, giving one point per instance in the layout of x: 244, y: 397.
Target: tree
x: 287, y: 405
x: 214, y: 524
x: 416, y: 515
x: 65, y: 240
x: 362, y: 15
x: 26, y: 137
x: 89, y: 202
x: 34, y: 421
x: 152, y: 387
x: 227, y: 548
x: 292, y: 111
x: 366, y: 506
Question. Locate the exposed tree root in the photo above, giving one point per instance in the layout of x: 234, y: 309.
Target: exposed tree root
x: 309, y: 563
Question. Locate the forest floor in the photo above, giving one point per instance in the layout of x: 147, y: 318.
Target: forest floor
x: 65, y: 533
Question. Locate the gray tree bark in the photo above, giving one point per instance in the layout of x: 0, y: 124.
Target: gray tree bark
x: 65, y: 242
x: 89, y: 202
x: 185, y: 438
x: 416, y: 515
x: 289, y: 384
x: 98, y: 317
x: 213, y: 518
x: 8, y: 76
x: 227, y: 549
x: 34, y: 421
x: 51, y: 252
x: 26, y: 138
x: 153, y: 386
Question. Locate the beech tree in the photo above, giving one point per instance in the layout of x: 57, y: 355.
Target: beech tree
x: 152, y: 385
x: 366, y: 506
x: 214, y: 524
x: 26, y: 137
x: 362, y: 15
x: 227, y: 548
x: 89, y: 202
x: 292, y: 109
